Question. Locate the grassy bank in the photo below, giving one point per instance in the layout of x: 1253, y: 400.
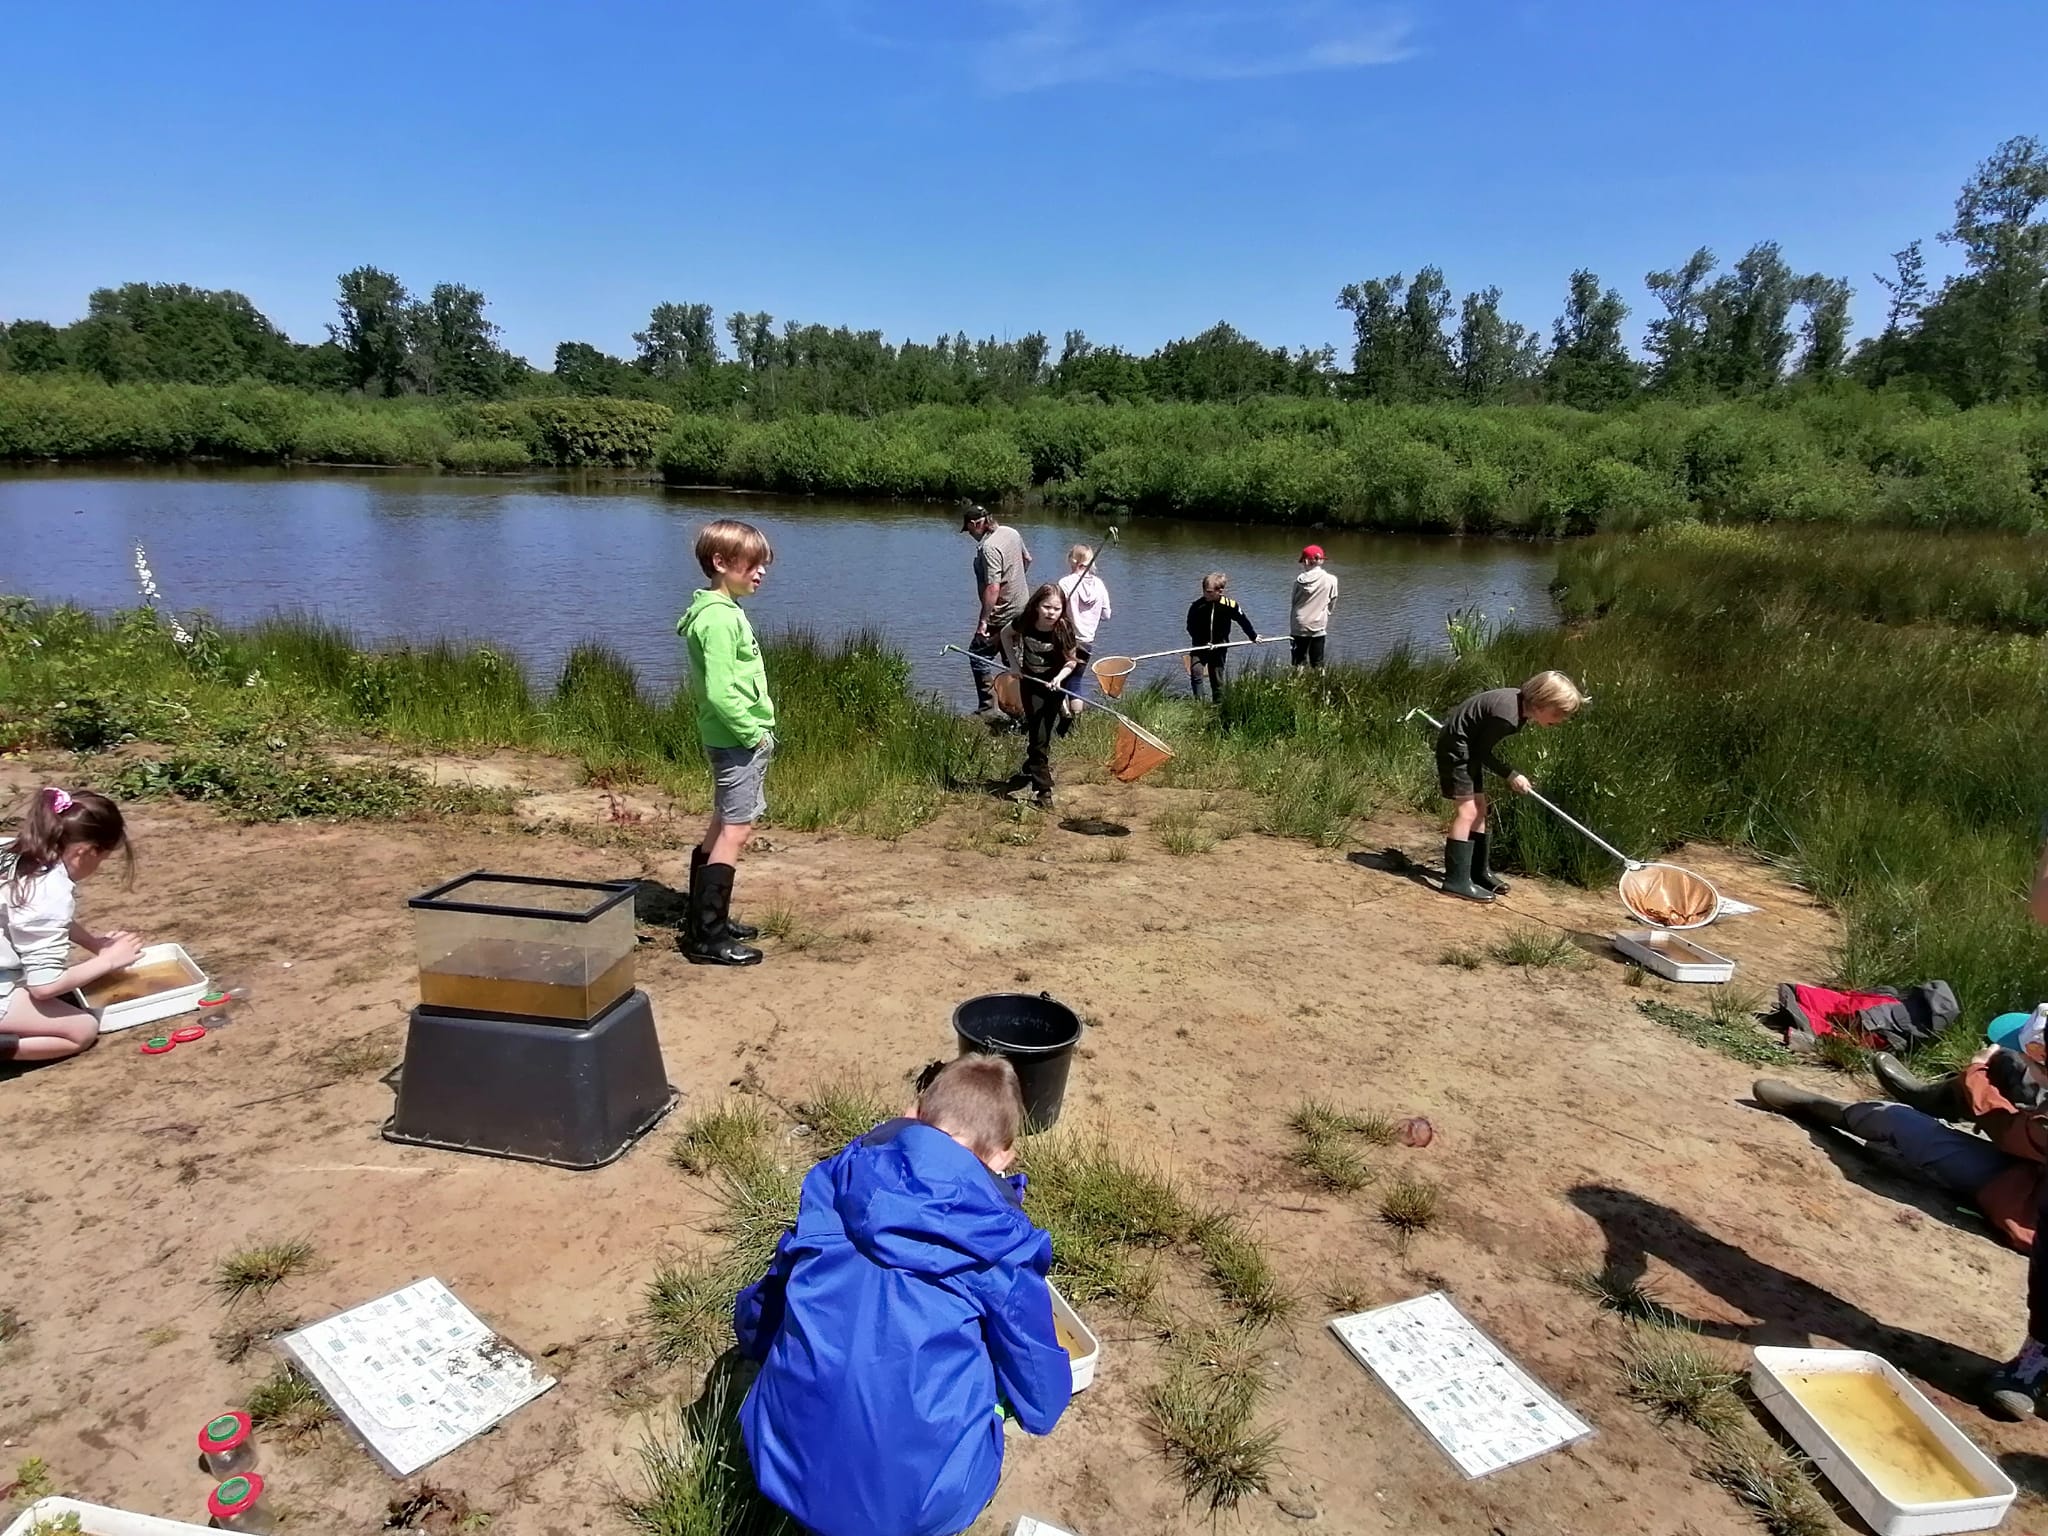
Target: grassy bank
x: 1894, y: 768
x: 1826, y: 457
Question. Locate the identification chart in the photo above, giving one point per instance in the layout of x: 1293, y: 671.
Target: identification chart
x: 1484, y: 1410
x: 415, y: 1373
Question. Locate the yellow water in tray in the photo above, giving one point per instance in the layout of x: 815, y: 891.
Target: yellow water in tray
x: 137, y: 982
x: 1883, y: 1436
x: 1070, y: 1341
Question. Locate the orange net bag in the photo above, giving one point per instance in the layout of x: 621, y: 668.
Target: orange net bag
x: 1665, y: 896
x: 1110, y: 672
x: 1137, y: 753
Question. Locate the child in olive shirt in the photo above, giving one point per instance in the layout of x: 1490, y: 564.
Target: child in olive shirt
x: 736, y: 722
x: 1465, y: 755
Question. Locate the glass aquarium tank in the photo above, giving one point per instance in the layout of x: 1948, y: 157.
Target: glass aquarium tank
x: 525, y: 946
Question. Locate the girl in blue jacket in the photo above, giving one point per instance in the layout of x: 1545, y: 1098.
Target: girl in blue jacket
x: 905, y: 1309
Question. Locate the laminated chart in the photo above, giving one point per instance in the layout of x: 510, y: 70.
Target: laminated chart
x: 415, y: 1373
x: 1485, y: 1411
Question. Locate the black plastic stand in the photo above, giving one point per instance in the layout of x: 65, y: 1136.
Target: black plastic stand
x: 545, y: 1093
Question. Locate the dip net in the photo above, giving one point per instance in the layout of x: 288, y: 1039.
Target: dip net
x: 1665, y: 896
x: 1110, y: 671
x: 1009, y: 694
x: 1137, y: 753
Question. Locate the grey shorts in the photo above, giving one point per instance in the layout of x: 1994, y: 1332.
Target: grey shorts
x: 739, y: 781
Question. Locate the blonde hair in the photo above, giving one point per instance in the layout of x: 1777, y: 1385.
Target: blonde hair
x: 1552, y: 690
x: 1081, y: 552
x: 1215, y: 582
x: 736, y: 543
x: 977, y: 1099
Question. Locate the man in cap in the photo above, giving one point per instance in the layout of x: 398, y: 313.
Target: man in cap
x: 1002, y: 587
x: 1315, y: 594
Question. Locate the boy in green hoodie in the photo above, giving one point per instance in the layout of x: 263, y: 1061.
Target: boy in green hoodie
x: 736, y: 722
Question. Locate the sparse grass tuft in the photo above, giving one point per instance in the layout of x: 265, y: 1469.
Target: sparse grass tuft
x: 1345, y: 1293
x: 289, y: 1409
x: 253, y: 1271
x: 1735, y: 1006
x: 724, y: 1136
x: 237, y: 1341
x: 1536, y: 949
x: 359, y: 1055
x: 1181, y: 831
x: 838, y: 1113
x: 1409, y: 1205
x: 1333, y: 1163
x: 695, y: 1479
x: 1620, y: 1293
x: 1463, y: 957
x: 1634, y: 976
x: 689, y: 1308
x: 10, y: 1324
x: 1201, y: 1412
x: 760, y: 1201
x: 1772, y: 1483
x: 1239, y: 1268
x: 1671, y: 1372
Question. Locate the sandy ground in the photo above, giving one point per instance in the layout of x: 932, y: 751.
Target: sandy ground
x: 1222, y: 987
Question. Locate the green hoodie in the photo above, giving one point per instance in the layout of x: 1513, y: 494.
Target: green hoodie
x: 733, y: 707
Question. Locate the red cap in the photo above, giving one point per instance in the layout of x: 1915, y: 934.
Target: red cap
x: 1312, y: 552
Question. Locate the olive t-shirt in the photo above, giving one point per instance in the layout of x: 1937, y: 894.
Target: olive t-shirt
x: 999, y: 561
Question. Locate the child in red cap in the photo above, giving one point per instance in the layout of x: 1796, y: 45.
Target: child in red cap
x: 1315, y: 594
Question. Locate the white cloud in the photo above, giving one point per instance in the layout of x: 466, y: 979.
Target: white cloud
x: 1070, y: 42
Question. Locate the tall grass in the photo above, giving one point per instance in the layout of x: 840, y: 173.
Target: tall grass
x: 857, y: 748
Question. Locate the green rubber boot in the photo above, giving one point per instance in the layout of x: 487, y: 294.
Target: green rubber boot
x: 1458, y: 871
x: 1482, y: 872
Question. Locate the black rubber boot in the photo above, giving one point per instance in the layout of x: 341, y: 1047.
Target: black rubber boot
x: 1798, y: 1104
x: 733, y: 928
x: 1482, y: 872
x: 707, y: 942
x: 1458, y: 871
x: 1941, y: 1098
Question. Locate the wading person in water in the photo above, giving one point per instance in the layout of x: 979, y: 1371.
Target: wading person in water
x: 1001, y: 563
x: 1465, y: 755
x: 1041, y: 646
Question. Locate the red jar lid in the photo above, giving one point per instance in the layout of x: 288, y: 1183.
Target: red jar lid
x: 224, y: 1433
x: 235, y: 1496
x: 156, y: 1045
x: 188, y: 1034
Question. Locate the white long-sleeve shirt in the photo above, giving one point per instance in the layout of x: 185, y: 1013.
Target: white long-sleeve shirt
x: 1087, y: 602
x: 35, y: 932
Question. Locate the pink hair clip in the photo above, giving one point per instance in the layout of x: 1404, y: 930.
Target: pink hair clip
x: 59, y: 801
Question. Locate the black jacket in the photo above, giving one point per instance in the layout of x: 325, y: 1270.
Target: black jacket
x: 1210, y: 618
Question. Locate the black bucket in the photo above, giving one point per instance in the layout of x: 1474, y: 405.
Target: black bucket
x: 1036, y: 1035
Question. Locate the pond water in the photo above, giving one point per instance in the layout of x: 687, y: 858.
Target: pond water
x: 538, y: 564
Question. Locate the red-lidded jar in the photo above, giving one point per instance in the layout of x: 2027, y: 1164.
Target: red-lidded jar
x: 237, y: 1505
x: 228, y: 1445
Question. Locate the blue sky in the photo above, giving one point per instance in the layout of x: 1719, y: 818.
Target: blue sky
x: 1133, y: 168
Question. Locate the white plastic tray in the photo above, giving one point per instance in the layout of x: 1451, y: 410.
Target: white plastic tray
x: 102, y: 1521
x: 1673, y: 955
x: 1084, y: 1365
x: 1030, y: 1525
x: 159, y: 1005
x: 1856, y: 1486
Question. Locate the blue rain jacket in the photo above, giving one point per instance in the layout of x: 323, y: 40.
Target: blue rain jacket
x: 907, y: 1302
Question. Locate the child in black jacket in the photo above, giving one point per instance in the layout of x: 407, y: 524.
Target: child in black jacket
x: 1209, y: 619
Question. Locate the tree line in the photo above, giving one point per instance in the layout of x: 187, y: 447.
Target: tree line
x: 1752, y: 327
